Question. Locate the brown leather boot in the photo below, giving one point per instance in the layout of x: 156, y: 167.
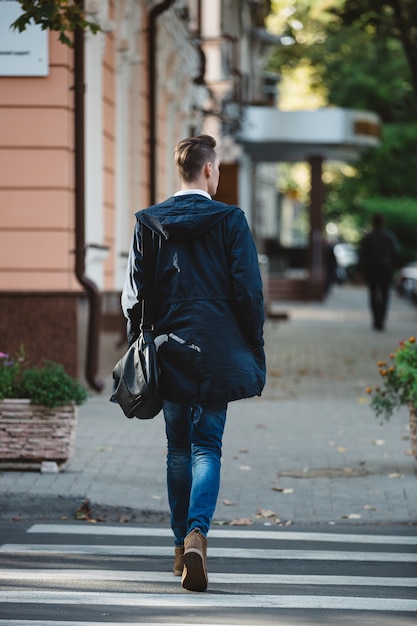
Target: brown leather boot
x: 179, y: 560
x: 194, y: 575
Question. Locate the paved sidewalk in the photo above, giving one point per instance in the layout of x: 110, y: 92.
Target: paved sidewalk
x: 308, y: 451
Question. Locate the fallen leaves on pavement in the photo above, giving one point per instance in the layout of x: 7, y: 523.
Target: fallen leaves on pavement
x: 245, y: 521
x: 265, y: 513
x: 84, y: 512
x: 286, y: 490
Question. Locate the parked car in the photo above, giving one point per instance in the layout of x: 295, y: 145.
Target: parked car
x: 347, y: 260
x: 406, y: 281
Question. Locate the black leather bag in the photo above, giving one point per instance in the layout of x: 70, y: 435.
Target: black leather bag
x: 136, y: 379
x: 136, y: 375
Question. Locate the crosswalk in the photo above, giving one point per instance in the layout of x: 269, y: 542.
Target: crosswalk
x: 94, y: 574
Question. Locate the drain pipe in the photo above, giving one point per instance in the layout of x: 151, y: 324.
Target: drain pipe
x: 154, y: 14
x: 93, y: 294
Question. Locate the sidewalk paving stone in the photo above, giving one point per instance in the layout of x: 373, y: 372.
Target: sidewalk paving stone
x: 308, y: 451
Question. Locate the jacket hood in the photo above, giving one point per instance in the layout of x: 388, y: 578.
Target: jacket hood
x: 185, y: 217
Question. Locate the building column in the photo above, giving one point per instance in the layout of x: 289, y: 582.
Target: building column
x: 315, y: 258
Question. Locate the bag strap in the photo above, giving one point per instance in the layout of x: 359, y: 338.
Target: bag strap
x: 149, y: 263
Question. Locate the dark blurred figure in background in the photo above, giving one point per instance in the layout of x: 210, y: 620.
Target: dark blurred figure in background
x: 378, y: 253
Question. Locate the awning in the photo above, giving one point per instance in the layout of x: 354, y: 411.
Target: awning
x: 271, y: 135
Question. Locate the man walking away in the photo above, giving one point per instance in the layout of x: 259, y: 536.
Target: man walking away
x: 209, y: 317
x: 378, y: 254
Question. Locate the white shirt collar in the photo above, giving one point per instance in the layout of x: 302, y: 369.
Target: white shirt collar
x: 185, y: 192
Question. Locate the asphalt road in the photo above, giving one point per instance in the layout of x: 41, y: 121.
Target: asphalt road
x: 83, y: 574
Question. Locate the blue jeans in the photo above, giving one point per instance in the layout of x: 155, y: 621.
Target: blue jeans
x: 194, y: 436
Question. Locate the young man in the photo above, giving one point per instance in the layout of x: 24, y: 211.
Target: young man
x: 378, y: 253
x: 209, y: 317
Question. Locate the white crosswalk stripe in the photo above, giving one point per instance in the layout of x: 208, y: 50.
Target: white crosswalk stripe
x: 45, y: 573
x: 209, y: 601
x: 31, y: 622
x: 131, y: 531
x: 64, y: 575
x: 231, y: 553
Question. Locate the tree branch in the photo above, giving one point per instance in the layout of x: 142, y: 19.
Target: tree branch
x: 62, y: 16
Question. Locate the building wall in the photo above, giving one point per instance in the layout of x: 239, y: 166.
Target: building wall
x: 178, y: 63
x: 109, y: 103
x: 37, y: 195
x: 37, y: 146
x: 140, y: 129
x: 45, y: 324
x: 37, y: 178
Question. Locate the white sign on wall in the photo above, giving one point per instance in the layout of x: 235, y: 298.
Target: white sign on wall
x: 21, y: 54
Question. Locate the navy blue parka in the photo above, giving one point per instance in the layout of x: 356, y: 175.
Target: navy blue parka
x: 209, y: 310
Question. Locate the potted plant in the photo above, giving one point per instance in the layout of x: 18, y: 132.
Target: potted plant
x: 38, y: 412
x: 398, y: 387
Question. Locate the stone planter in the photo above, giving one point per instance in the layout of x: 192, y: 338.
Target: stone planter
x: 413, y: 430
x: 31, y: 435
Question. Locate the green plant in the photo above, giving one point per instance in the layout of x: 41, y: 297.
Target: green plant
x: 9, y: 376
x: 399, y: 381
x: 63, y: 16
x: 49, y: 385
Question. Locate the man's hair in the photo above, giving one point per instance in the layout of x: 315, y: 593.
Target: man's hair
x: 378, y: 221
x: 192, y: 154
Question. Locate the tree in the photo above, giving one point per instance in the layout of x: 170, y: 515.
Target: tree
x: 356, y: 65
x: 358, y: 53
x: 387, y: 18
x: 63, y: 16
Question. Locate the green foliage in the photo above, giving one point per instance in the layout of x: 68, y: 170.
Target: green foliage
x: 368, y: 74
x: 360, y: 55
x: 358, y: 65
x: 385, y: 182
x: 51, y: 386
x: 401, y: 217
x: 48, y: 385
x: 9, y: 375
x: 387, y: 170
x: 383, y: 19
x: 399, y: 381
x: 63, y: 16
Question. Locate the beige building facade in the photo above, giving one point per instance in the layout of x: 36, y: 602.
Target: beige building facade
x: 70, y: 185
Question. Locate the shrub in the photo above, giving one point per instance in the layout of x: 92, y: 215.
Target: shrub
x: 49, y: 385
x: 399, y: 381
